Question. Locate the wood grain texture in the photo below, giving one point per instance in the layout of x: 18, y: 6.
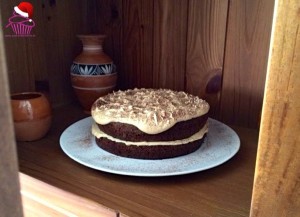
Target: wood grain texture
x: 277, y: 177
x: 36, y: 60
x: 172, y: 44
x: 246, y: 52
x: 137, y: 47
x: 222, y: 191
x: 10, y: 200
x: 107, y: 19
x: 48, y: 55
x: 169, y: 43
x: 21, y: 78
x: 62, y: 45
x: 205, y: 50
x: 42, y: 199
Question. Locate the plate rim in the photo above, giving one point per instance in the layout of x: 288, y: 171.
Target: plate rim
x: 143, y: 174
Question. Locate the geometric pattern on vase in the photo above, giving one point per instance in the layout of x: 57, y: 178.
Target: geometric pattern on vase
x: 83, y: 69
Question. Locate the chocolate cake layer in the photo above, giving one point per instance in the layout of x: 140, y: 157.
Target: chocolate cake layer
x: 180, y: 130
x: 148, y: 152
x: 150, y: 123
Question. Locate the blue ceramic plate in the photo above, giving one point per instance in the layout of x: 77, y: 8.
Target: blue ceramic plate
x: 220, y: 145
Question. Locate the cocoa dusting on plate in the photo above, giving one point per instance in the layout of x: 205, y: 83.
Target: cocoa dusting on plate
x: 85, y: 141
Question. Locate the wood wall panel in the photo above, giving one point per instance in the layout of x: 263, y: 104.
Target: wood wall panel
x: 137, y: 49
x: 110, y: 24
x: 64, y: 22
x: 247, y: 44
x: 36, y: 58
x: 21, y: 78
x: 48, y: 55
x: 169, y: 43
x: 277, y: 176
x: 205, y: 50
x: 154, y: 43
x: 10, y: 200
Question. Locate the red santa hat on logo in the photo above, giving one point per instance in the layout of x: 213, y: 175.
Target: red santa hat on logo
x: 24, y: 9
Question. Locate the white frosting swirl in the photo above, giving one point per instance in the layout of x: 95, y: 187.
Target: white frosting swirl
x: 150, y: 110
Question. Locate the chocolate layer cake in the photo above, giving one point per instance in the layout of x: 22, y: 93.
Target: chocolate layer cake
x: 150, y: 123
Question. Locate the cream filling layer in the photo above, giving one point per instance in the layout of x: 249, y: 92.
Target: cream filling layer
x: 199, y: 135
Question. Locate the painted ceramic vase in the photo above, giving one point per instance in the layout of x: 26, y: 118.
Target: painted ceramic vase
x: 32, y: 115
x: 93, y: 73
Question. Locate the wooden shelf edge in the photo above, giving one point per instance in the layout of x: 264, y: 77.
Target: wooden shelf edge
x: 40, y: 198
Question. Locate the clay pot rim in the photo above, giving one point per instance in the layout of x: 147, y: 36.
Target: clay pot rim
x: 22, y: 94
x: 97, y: 76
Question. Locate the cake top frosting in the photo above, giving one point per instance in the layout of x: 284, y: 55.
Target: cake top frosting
x: 150, y: 110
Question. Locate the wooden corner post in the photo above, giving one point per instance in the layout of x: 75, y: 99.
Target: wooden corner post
x: 276, y: 190
x: 10, y: 199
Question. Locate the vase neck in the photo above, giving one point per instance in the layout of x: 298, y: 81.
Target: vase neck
x: 92, y: 43
x: 93, y: 48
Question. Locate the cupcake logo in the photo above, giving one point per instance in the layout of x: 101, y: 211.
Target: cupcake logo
x: 21, y: 21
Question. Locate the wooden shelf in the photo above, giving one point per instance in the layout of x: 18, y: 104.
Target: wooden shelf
x: 222, y: 191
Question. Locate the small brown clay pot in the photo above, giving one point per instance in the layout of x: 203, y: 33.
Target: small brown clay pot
x: 90, y: 87
x: 31, y: 114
